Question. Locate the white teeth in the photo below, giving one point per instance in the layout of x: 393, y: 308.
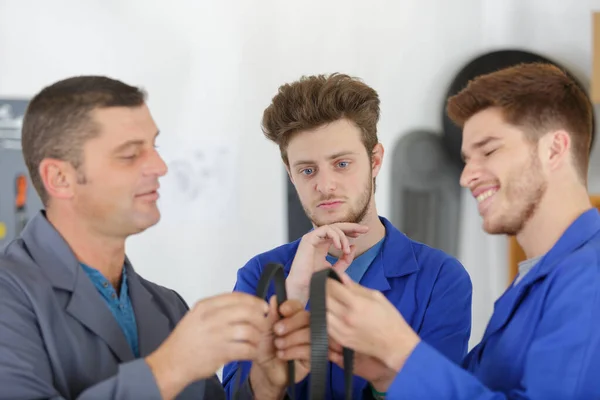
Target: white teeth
x: 485, y: 195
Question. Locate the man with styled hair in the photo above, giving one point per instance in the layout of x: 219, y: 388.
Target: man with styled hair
x: 326, y: 129
x: 526, y: 144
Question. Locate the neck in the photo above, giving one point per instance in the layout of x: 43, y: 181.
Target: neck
x: 366, y: 241
x: 106, y: 254
x: 557, y: 210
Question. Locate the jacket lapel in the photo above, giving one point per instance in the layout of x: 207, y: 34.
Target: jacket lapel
x: 576, y: 235
x: 395, y: 260
x: 153, y: 326
x: 87, y: 306
x: 54, y: 256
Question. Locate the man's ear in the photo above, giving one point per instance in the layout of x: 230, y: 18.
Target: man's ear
x: 59, y: 178
x: 557, y: 148
x: 377, y: 159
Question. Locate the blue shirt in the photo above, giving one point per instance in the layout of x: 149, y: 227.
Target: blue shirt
x: 360, y: 264
x: 542, y: 341
x: 430, y: 288
x: 120, y: 306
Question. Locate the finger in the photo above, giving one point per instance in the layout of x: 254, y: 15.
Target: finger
x: 290, y: 324
x: 300, y: 353
x: 344, y: 262
x: 337, y: 292
x: 334, y: 236
x: 336, y: 358
x: 344, y: 243
x: 242, y: 333
x: 290, y: 307
x: 334, y: 345
x: 321, y: 235
x: 349, y: 228
x: 235, y: 314
x: 353, y: 235
x: 273, y: 314
x: 296, y: 338
x: 356, y: 288
x: 345, y: 278
x: 240, y: 351
x: 234, y: 298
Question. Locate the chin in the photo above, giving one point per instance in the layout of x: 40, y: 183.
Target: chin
x: 502, y: 225
x: 146, y: 220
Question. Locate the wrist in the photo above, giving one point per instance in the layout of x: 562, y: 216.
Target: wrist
x: 262, y: 387
x: 381, y: 385
x: 297, y: 289
x: 397, y: 352
x: 168, y: 378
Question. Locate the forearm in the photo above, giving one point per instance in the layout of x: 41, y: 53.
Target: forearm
x: 134, y: 380
x: 169, y: 380
x: 427, y: 374
x: 297, y: 290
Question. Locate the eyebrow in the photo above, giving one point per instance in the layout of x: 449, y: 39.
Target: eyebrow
x: 477, y: 145
x: 331, y: 157
x: 132, y: 143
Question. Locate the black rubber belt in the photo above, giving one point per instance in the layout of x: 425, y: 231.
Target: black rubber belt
x: 318, y: 329
x: 319, y: 339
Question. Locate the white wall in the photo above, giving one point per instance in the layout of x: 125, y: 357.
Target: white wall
x: 212, y: 67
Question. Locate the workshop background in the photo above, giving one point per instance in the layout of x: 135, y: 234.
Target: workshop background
x: 211, y: 67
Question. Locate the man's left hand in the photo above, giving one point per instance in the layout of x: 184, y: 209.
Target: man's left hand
x: 287, y: 339
x: 366, y: 322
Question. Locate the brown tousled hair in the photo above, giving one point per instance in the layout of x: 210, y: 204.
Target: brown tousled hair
x: 536, y: 97
x: 316, y: 100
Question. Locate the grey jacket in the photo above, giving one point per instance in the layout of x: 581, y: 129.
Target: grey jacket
x: 59, y: 340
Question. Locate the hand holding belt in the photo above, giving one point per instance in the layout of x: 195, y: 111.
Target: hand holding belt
x: 318, y: 329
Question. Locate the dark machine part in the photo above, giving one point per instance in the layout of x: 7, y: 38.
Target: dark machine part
x: 18, y: 199
x: 425, y: 191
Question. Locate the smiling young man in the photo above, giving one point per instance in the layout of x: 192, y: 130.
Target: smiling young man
x: 526, y: 143
x: 76, y: 320
x: 326, y: 130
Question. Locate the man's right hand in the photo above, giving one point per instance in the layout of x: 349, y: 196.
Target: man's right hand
x: 312, y: 251
x: 216, y: 331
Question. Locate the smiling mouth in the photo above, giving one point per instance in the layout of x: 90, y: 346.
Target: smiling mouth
x: 485, y: 195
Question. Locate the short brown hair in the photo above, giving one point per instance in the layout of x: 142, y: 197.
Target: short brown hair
x: 316, y: 100
x: 57, y: 122
x: 537, y: 97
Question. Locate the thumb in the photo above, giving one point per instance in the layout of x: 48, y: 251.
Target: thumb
x: 345, y: 260
x: 273, y: 314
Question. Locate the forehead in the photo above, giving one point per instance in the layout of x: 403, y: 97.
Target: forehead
x: 124, y: 123
x: 341, y: 135
x: 487, y: 126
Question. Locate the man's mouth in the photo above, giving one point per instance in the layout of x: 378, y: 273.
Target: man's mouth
x: 486, y: 194
x: 329, y: 204
x: 150, y: 195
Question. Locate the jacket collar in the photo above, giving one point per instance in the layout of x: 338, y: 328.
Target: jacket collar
x: 57, y: 261
x: 575, y: 236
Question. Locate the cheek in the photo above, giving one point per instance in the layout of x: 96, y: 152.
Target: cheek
x: 303, y: 187
x: 110, y: 187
